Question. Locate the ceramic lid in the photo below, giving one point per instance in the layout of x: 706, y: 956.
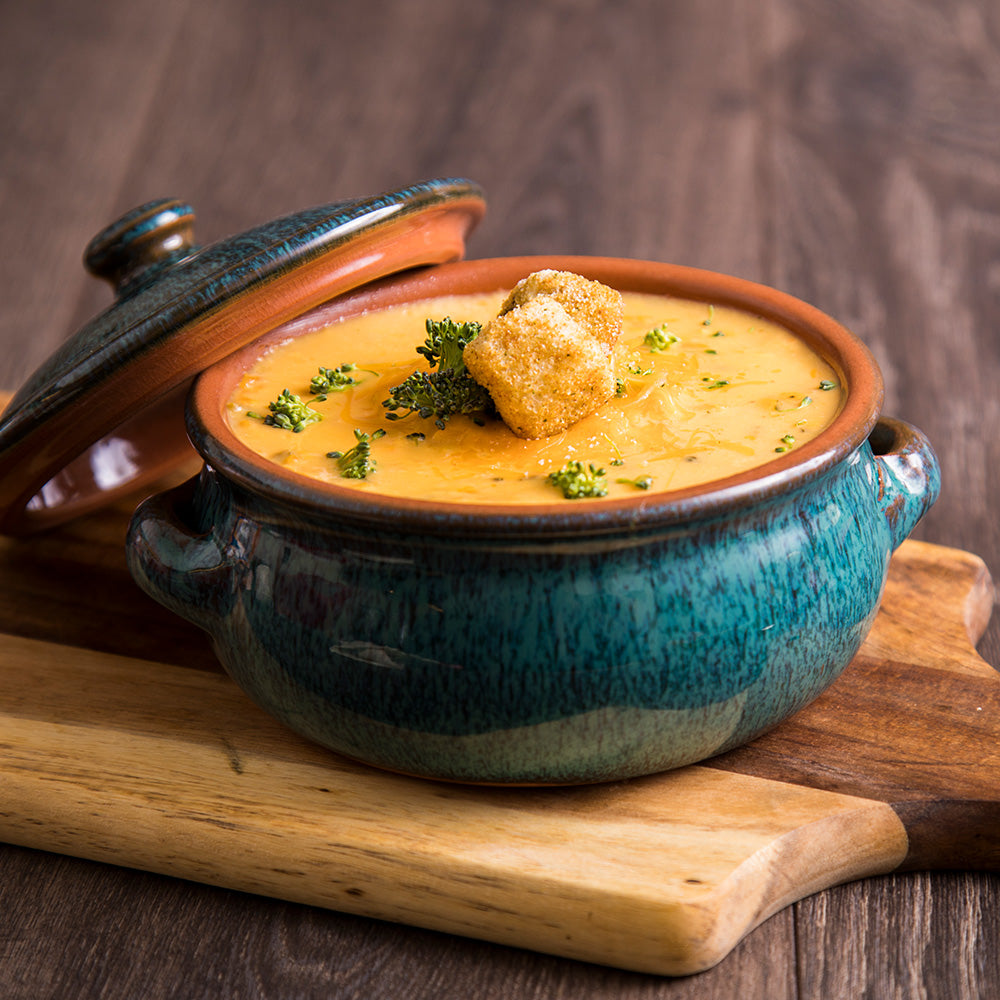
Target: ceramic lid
x: 103, y: 416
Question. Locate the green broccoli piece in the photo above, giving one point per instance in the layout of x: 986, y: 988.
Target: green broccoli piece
x: 448, y: 390
x: 445, y: 342
x: 640, y: 482
x: 439, y: 394
x: 357, y: 463
x: 334, y: 380
x: 577, y: 480
x: 289, y: 413
x: 634, y: 368
x: 660, y: 339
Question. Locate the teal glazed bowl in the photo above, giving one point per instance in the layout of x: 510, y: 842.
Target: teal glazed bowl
x: 567, y: 643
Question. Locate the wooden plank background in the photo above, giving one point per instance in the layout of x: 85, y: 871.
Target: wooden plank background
x: 846, y: 152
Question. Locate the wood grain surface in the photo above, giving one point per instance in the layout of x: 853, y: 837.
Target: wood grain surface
x: 173, y: 771
x: 846, y: 152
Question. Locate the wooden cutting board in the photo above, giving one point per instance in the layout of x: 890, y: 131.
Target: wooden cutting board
x: 121, y: 741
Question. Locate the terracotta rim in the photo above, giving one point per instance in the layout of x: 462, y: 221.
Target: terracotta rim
x: 858, y: 370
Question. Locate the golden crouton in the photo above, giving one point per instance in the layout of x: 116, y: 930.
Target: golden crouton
x: 546, y: 360
x: 593, y: 305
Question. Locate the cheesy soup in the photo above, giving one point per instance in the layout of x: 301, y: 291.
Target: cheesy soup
x: 703, y: 392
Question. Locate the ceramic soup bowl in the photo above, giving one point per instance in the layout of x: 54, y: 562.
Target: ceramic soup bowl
x: 565, y: 643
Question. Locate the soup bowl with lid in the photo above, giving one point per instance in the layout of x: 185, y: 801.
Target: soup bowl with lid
x: 544, y: 643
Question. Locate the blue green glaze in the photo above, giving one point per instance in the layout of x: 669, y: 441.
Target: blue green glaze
x: 511, y: 655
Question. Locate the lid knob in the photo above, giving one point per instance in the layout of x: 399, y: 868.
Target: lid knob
x: 156, y: 233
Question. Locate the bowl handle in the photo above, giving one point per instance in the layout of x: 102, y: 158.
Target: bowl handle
x: 909, y: 476
x: 176, y: 564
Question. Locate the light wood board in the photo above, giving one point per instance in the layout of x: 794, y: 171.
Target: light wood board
x: 173, y: 770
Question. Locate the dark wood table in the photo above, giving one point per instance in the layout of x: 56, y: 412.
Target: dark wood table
x: 848, y: 153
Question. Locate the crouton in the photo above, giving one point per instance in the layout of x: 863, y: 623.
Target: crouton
x: 547, y: 359
x: 593, y: 305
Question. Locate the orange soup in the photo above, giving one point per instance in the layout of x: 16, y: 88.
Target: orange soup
x: 703, y: 392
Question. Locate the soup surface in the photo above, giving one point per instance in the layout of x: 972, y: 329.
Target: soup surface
x: 726, y: 391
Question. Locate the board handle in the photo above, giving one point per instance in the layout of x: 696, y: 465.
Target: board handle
x: 909, y: 475
x: 175, y: 563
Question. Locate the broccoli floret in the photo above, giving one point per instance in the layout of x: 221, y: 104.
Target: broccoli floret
x: 448, y: 390
x: 660, y: 339
x: 445, y: 342
x: 577, y: 480
x: 439, y: 394
x: 357, y: 463
x: 334, y: 380
x: 289, y: 413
